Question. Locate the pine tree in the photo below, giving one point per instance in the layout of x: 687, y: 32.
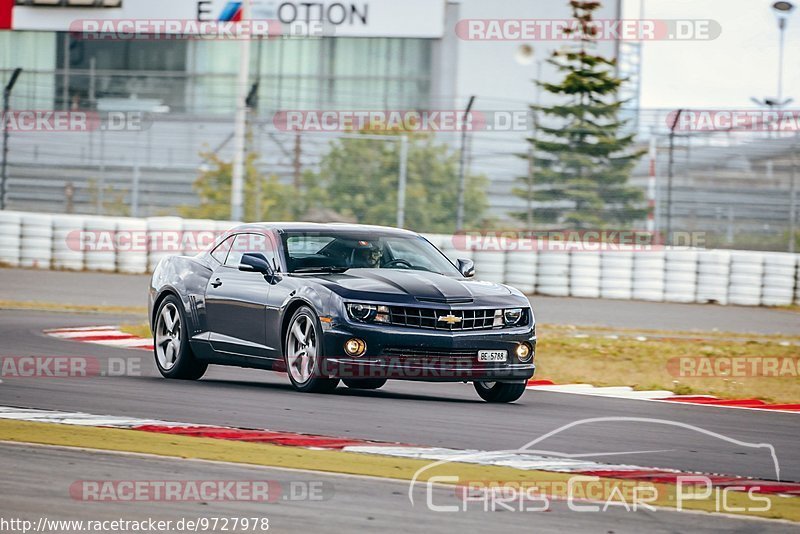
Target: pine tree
x: 582, y: 158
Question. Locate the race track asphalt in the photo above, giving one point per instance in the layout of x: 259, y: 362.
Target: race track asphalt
x: 445, y: 415
x: 39, y: 486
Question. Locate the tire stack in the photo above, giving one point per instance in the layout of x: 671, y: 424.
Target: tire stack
x: 680, y: 278
x: 490, y: 265
x: 198, y: 234
x: 552, y: 272
x: 747, y: 268
x: 450, y: 250
x: 223, y: 226
x: 67, y: 250
x: 521, y: 270
x: 584, y: 274
x: 101, y: 252
x: 36, y: 246
x: 437, y: 240
x: 10, y: 238
x: 713, y: 276
x: 163, y: 239
x: 780, y: 275
x: 616, y: 274
x: 132, y: 246
x: 649, y: 269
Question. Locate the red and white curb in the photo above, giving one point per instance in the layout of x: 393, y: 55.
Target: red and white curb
x: 512, y: 459
x: 102, y: 335
x: 627, y: 392
x: 112, y: 336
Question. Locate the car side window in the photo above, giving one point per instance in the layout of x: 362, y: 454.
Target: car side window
x: 251, y: 244
x: 221, y: 252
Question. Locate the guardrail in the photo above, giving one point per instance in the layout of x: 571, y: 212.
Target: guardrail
x: 131, y: 245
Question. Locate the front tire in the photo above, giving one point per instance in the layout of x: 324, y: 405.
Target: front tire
x: 499, y: 391
x: 174, y: 356
x: 364, y: 383
x: 303, y: 353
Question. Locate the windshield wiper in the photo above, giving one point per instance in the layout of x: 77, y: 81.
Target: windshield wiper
x: 330, y: 269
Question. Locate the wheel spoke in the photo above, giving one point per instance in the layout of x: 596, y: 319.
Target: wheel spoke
x: 168, y: 353
x: 301, y: 350
x: 298, y: 334
x: 302, y: 368
x: 161, y: 339
x: 169, y: 320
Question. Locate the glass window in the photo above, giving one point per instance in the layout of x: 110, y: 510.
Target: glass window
x: 221, y: 252
x: 339, y: 251
x: 251, y: 244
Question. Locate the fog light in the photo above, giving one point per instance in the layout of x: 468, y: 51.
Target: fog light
x: 355, y: 347
x: 524, y: 352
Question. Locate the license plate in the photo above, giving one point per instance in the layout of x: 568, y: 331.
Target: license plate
x: 492, y: 355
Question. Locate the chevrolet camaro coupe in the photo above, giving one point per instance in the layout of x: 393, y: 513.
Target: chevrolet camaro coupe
x: 331, y: 302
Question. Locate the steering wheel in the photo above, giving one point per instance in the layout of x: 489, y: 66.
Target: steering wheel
x: 398, y: 262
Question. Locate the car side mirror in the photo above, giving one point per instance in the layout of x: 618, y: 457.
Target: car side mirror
x: 253, y: 262
x: 466, y: 268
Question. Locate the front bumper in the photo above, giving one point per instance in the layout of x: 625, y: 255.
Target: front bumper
x: 408, y: 353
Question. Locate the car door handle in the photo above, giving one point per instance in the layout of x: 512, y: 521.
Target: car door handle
x: 216, y: 283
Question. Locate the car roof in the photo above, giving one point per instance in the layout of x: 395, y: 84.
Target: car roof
x: 319, y: 227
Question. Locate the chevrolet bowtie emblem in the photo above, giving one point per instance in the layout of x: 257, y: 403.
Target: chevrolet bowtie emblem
x: 450, y: 319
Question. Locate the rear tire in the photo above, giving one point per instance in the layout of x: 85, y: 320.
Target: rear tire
x: 364, y: 383
x: 173, y: 354
x: 499, y: 391
x: 303, y: 353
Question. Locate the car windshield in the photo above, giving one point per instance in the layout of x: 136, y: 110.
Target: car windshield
x: 338, y: 251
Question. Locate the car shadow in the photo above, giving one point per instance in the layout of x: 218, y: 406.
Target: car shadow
x: 343, y: 391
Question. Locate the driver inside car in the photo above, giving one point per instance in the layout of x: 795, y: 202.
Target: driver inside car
x: 368, y: 257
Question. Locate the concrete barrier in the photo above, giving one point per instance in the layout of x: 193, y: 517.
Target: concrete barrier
x: 131, y: 245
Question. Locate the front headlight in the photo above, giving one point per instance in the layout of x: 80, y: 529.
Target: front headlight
x: 368, y: 313
x: 512, y: 316
x: 361, y: 312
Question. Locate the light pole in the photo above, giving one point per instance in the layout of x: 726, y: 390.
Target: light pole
x: 462, y: 176
x: 525, y: 56
x: 240, y: 126
x: 782, y: 11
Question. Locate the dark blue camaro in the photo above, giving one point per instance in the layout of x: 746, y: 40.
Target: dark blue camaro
x: 326, y: 303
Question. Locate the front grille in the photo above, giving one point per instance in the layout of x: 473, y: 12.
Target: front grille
x: 417, y: 356
x: 432, y: 318
x: 405, y: 352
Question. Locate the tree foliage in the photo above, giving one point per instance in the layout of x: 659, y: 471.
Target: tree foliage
x: 360, y: 180
x: 265, y: 198
x: 582, y: 158
x: 357, y: 181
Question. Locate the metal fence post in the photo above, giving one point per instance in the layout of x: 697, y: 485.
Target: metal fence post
x: 793, y: 199
x: 401, y: 183
x: 6, y: 106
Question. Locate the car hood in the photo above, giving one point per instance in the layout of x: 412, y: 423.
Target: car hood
x: 397, y: 285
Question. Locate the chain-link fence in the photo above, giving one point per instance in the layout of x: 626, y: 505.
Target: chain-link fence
x: 735, y: 187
